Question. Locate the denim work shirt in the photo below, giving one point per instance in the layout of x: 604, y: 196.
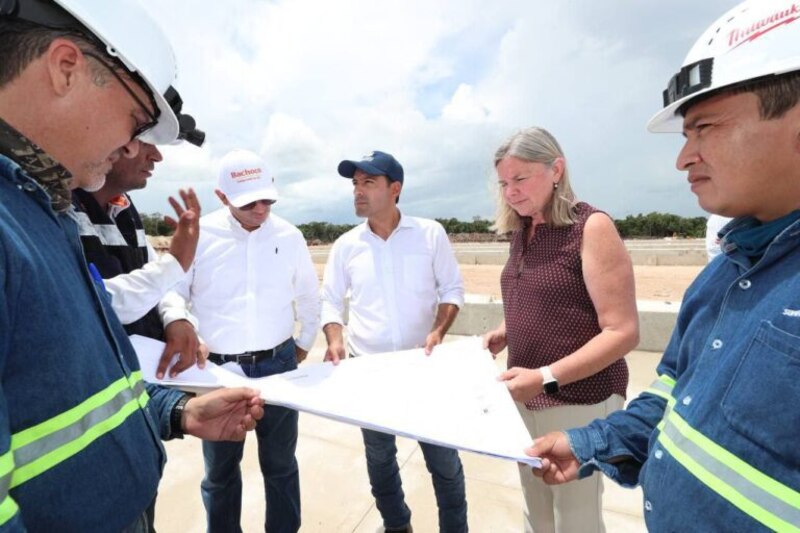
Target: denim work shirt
x: 714, y: 441
x: 79, y: 436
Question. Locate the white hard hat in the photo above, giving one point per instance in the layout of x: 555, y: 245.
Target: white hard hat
x: 755, y: 39
x: 245, y: 178
x: 130, y: 34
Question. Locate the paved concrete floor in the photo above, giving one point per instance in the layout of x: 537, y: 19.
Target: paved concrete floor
x: 335, y: 490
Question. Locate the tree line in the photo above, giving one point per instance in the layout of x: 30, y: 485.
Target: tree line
x: 651, y: 225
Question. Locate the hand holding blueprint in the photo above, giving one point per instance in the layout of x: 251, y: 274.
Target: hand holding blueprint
x: 451, y: 397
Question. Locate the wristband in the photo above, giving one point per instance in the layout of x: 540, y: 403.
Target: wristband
x: 176, y: 417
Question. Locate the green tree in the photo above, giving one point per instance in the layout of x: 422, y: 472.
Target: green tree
x: 154, y: 224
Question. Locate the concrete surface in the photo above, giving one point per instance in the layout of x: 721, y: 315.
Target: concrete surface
x: 335, y: 490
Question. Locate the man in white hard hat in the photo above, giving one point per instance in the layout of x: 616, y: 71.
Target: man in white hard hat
x: 251, y: 277
x: 80, y: 450
x: 713, y: 441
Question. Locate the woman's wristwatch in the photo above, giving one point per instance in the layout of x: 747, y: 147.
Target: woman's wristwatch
x: 549, y: 382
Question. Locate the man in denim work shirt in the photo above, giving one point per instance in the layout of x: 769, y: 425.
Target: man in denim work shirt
x: 80, y: 432
x: 713, y: 441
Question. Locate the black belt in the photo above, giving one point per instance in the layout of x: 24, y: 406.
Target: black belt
x: 247, y: 358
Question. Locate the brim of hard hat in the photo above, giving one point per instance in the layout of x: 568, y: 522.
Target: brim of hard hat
x: 668, y: 120
x: 167, y: 128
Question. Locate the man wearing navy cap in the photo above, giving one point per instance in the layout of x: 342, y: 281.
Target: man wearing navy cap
x: 405, y: 292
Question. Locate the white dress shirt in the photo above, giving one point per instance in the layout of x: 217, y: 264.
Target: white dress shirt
x: 245, y: 286
x: 395, y: 285
x: 137, y: 292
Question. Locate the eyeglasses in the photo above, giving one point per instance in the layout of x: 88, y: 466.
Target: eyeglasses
x: 153, y: 116
x: 252, y: 205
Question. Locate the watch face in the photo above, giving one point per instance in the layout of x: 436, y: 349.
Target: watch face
x: 551, y: 387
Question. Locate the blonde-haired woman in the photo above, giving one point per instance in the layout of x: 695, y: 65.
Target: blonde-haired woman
x: 570, y: 316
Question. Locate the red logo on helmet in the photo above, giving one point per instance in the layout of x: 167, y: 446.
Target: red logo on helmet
x: 740, y: 36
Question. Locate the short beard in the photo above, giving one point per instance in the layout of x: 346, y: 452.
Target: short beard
x: 94, y: 183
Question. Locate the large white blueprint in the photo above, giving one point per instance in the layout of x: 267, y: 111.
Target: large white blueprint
x: 451, y: 397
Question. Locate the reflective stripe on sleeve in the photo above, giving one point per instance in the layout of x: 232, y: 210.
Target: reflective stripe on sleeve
x: 662, y: 387
x: 45, y: 445
x: 6, y: 468
x: 8, y: 509
x: 761, y: 497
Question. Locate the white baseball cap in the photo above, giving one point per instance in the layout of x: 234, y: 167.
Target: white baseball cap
x: 245, y: 178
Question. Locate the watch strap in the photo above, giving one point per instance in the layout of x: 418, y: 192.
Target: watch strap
x: 549, y: 382
x: 176, y: 416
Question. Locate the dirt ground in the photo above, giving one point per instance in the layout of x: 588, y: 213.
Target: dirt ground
x: 666, y: 283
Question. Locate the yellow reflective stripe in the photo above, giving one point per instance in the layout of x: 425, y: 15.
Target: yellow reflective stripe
x: 763, y: 481
x: 6, y: 463
x: 769, y: 486
x: 143, y: 399
x: 136, y: 379
x: 47, y: 461
x: 8, y: 509
x: 662, y: 387
x: 67, y: 418
x: 48, y: 443
x: 667, y: 380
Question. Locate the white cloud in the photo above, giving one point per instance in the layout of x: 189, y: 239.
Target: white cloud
x: 438, y: 83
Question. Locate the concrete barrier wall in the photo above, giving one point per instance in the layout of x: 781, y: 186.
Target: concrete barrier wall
x: 656, y: 320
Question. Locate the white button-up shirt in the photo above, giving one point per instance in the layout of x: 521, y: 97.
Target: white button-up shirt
x: 245, y: 286
x: 395, y: 285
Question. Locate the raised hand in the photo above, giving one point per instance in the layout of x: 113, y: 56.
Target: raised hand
x: 187, y: 227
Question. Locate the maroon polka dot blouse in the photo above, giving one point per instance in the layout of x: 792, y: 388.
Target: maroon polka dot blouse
x: 549, y: 313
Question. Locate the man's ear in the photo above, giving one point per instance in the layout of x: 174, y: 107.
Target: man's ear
x: 797, y: 137
x: 65, y: 64
x: 396, y: 187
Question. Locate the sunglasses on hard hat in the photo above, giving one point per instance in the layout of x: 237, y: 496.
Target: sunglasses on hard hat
x: 152, y: 115
x: 252, y: 205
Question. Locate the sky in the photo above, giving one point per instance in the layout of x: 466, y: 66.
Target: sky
x: 440, y: 84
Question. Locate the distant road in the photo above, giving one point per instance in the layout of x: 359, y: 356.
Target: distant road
x: 653, y: 252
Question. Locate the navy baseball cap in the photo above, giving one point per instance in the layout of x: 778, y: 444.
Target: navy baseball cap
x: 375, y: 164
